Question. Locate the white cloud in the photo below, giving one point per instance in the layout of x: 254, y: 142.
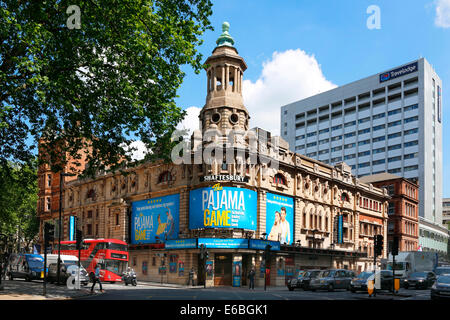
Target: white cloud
x: 442, y: 14
x: 191, y: 120
x: 289, y: 76
x: 140, y: 151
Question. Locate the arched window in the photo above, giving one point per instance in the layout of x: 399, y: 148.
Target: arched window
x: 344, y: 197
x: 165, y: 176
x: 279, y: 179
x: 91, y: 194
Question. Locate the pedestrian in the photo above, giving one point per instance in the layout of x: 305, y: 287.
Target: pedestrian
x: 191, y: 276
x: 96, y: 279
x: 251, y: 277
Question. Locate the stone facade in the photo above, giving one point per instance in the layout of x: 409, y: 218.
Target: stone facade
x: 319, y: 192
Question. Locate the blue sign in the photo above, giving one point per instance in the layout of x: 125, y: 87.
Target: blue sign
x: 220, y: 243
x: 413, y: 67
x: 280, y: 218
x: 156, y: 218
x: 237, y: 266
x: 181, y: 244
x: 71, y: 228
x: 261, y: 244
x: 222, y: 207
x: 340, y: 231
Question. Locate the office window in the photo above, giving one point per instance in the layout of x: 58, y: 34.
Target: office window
x: 379, y: 116
x: 395, y: 147
x: 381, y: 161
x: 351, y: 134
x: 361, y: 143
x: 396, y: 170
x: 312, y: 144
x: 379, y: 150
x: 324, y: 141
x: 324, y: 130
x: 363, y: 165
x: 312, y: 154
x: 364, y: 153
x: 411, y: 131
x: 411, y: 107
x: 395, y: 123
x: 299, y: 147
x: 349, y: 124
x: 411, y: 119
x: 300, y: 137
x: 382, y: 138
x: 311, y: 134
x: 350, y: 156
x: 393, y: 159
x: 336, y: 148
x: 411, y: 168
x: 323, y: 151
x: 337, y: 159
x: 410, y: 144
x: 394, y: 135
x: 336, y: 127
x: 379, y: 127
x: 364, y: 131
x: 349, y: 145
x: 410, y: 156
x: 336, y: 138
x: 392, y: 112
x: 363, y: 120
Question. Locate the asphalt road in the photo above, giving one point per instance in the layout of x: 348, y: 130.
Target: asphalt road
x: 155, y: 292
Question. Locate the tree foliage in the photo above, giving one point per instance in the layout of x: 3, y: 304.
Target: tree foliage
x: 112, y: 81
x: 18, y: 198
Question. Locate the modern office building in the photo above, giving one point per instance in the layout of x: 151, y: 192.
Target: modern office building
x: 446, y: 212
x: 388, y: 122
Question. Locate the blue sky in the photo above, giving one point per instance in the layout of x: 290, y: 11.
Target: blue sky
x: 328, y: 44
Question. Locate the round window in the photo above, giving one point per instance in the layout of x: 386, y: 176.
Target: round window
x: 234, y: 118
x: 215, y: 117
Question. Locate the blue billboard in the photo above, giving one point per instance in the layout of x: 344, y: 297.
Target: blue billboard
x: 181, y: 244
x: 155, y: 219
x: 228, y: 243
x: 280, y: 218
x: 222, y: 207
x: 258, y: 244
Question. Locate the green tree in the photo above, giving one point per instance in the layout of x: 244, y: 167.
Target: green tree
x: 102, y: 85
x: 18, y: 198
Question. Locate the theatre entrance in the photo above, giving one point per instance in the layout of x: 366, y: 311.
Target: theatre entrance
x: 222, y: 269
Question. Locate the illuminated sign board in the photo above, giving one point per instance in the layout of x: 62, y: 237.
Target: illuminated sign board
x: 413, y: 67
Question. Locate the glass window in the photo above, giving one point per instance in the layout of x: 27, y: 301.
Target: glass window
x: 364, y: 120
x: 394, y: 135
x: 382, y: 138
x: 411, y: 119
x: 115, y: 266
x: 116, y: 246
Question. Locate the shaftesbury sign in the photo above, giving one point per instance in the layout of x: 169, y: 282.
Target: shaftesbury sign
x: 225, y: 177
x: 399, y: 72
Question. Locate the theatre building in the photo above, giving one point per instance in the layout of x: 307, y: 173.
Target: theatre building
x: 309, y: 212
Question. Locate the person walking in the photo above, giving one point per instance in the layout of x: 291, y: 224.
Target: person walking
x: 251, y: 277
x: 96, y: 279
x: 191, y: 276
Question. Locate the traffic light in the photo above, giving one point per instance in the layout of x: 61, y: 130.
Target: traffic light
x: 78, y: 238
x: 267, y: 254
x: 206, y: 254
x: 49, y: 232
x: 202, y: 251
x: 378, y: 244
x: 395, y: 246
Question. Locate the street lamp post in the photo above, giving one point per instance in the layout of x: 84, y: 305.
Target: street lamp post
x: 61, y: 181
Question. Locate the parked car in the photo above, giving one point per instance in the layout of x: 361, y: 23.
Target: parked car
x: 359, y: 283
x: 27, y: 266
x: 420, y: 280
x: 386, y: 280
x: 66, y: 270
x: 308, y: 276
x: 332, y: 279
x: 295, y: 282
x: 441, y: 288
x: 442, y: 270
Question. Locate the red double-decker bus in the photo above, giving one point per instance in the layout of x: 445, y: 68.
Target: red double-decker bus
x: 110, y: 254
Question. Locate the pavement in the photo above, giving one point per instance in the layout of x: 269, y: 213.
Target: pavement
x: 33, y: 290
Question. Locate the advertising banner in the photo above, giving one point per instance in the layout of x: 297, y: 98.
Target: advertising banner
x: 258, y: 244
x: 340, y: 231
x: 237, y: 266
x: 181, y: 244
x: 280, y: 218
x: 220, y: 243
x: 156, y: 218
x: 222, y: 207
x: 209, y: 268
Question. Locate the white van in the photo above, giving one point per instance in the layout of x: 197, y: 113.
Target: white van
x: 67, y: 259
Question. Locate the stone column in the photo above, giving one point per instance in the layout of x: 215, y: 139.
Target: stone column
x: 223, y: 78
x: 227, y: 76
x: 235, y: 80
x: 214, y: 79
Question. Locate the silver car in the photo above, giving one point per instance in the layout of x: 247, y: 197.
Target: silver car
x: 332, y: 279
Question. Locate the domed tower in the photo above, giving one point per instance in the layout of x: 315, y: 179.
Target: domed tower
x: 224, y: 109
